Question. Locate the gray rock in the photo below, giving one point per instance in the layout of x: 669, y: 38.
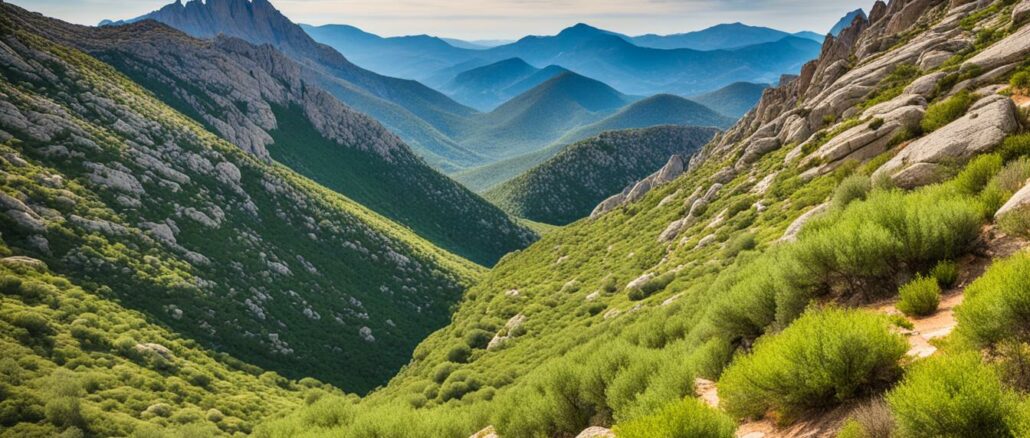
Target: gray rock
x: 1019, y: 201
x: 926, y: 85
x: 27, y: 221
x: 791, y: 234
x: 984, y: 127
x: 1014, y: 48
x: 1020, y: 13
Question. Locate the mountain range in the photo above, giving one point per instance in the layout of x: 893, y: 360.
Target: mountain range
x: 487, y: 87
x: 733, y: 100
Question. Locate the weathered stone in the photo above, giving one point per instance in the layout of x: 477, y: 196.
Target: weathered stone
x: 984, y: 127
x: 1014, y: 48
x: 596, y: 432
x: 795, y: 227
x: 926, y: 85
x: 1020, y: 13
x: 1019, y: 201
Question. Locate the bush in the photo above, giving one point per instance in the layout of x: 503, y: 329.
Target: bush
x: 946, y: 274
x: 997, y: 305
x: 688, y: 418
x: 1016, y: 222
x: 946, y: 111
x: 478, y: 338
x: 852, y: 429
x: 459, y: 354
x: 1016, y: 146
x: 651, y: 286
x: 952, y: 396
x: 1020, y: 81
x: 443, y: 370
x: 978, y: 173
x: 852, y: 188
x: 825, y: 357
x: 742, y: 242
x: 920, y: 297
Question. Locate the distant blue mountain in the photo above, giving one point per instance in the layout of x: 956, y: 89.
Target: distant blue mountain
x: 733, y: 100
x: 484, y: 88
x: 722, y: 36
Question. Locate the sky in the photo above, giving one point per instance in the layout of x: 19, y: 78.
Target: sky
x: 504, y: 19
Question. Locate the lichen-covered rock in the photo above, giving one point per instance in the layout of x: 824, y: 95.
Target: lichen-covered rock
x: 984, y: 127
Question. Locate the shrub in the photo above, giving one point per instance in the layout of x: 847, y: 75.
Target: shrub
x: 742, y: 242
x: 10, y: 284
x: 953, y: 396
x: 946, y: 274
x: 459, y: 354
x: 852, y: 429
x: 825, y: 357
x: 875, y: 419
x: 1016, y: 222
x: 651, y: 286
x: 852, y: 188
x: 944, y: 112
x: 920, y: 297
x: 1016, y: 146
x: 443, y: 370
x: 978, y: 173
x: 997, y: 305
x: 478, y: 338
x: 1020, y: 81
x: 688, y: 418
x: 1014, y: 175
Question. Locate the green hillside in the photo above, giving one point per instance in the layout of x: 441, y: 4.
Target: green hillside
x: 661, y: 109
x: 730, y: 273
x: 131, y: 200
x: 568, y: 186
x: 260, y: 101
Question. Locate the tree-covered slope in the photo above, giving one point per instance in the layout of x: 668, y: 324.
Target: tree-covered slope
x: 764, y: 267
x: 258, y: 100
x: 662, y: 109
x: 123, y: 195
x: 568, y: 186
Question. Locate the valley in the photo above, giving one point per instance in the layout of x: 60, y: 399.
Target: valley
x: 217, y: 222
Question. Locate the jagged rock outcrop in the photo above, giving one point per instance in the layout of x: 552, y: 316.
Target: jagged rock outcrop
x: 926, y: 160
x: 670, y: 171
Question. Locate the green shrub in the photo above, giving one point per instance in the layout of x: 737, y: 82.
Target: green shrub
x: 10, y: 284
x: 946, y: 274
x: 852, y: 429
x: 952, y: 396
x: 1016, y: 146
x: 35, y: 324
x: 478, y: 338
x: 852, y: 188
x: 459, y: 354
x: 825, y: 357
x: 946, y: 111
x: 920, y: 297
x: 1016, y: 222
x: 742, y: 242
x: 1014, y: 175
x: 653, y: 285
x: 1020, y: 81
x: 978, y: 173
x: 443, y: 370
x: 997, y: 305
x: 688, y: 418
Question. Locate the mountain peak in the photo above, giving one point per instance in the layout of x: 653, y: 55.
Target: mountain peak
x: 846, y: 21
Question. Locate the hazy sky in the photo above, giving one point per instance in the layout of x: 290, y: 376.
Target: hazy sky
x: 505, y: 19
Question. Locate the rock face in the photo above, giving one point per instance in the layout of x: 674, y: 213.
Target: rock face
x: 1019, y: 201
x: 924, y: 161
x: 254, y: 92
x: 791, y: 234
x: 672, y: 169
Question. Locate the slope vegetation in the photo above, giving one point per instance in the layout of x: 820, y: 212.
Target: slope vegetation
x: 259, y: 101
x: 756, y: 268
x: 120, y: 193
x: 566, y: 187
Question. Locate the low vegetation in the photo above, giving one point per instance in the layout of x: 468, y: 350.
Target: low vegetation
x: 920, y: 297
